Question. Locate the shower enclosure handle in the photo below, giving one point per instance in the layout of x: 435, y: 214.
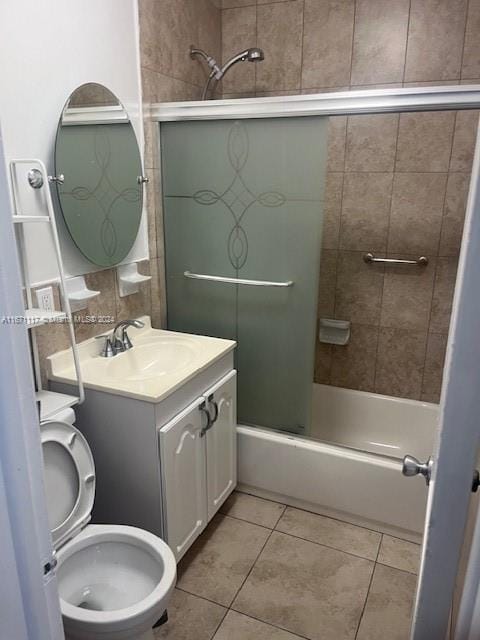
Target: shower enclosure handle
x: 253, y: 283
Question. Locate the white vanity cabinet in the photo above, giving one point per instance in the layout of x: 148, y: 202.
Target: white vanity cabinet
x: 198, y: 463
x: 165, y: 454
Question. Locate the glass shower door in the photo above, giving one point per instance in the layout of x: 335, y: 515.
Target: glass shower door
x: 243, y: 201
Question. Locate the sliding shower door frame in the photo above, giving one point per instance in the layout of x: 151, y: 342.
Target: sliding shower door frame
x: 342, y: 103
x: 458, y: 440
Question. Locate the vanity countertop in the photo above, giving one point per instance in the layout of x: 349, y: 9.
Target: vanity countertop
x: 158, y: 364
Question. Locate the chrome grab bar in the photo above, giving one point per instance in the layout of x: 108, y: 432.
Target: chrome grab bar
x: 254, y: 283
x: 420, y: 262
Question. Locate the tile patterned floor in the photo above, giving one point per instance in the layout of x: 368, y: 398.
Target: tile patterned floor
x: 264, y: 571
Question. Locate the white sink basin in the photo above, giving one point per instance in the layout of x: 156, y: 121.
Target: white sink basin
x: 158, y: 363
x: 159, y: 357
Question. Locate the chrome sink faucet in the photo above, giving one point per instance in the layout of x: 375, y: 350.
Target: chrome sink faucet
x: 113, y: 344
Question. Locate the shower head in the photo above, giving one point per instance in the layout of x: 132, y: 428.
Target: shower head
x: 253, y: 54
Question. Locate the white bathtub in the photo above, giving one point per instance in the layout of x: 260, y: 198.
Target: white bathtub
x: 358, y: 478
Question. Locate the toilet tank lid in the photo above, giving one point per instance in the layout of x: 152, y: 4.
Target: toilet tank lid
x: 69, y: 474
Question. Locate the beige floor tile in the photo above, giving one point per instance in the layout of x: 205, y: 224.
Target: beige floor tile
x: 400, y: 554
x: 236, y: 626
x: 253, y: 509
x: 333, y: 533
x: 306, y: 588
x: 219, y: 561
x: 190, y: 617
x: 389, y: 605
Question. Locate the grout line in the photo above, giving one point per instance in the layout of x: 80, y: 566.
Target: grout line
x: 368, y: 590
x: 251, y: 568
x: 406, y: 41
x: 212, y: 637
x: 295, y: 634
x: 301, y: 48
x: 353, y: 40
x: 462, y: 58
x: 382, y: 533
x: 327, y: 546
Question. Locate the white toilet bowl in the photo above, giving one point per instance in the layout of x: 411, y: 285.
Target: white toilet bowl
x: 114, y: 581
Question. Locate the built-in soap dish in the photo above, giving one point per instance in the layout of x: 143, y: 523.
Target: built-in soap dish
x: 334, y: 331
x: 78, y: 293
x: 129, y: 279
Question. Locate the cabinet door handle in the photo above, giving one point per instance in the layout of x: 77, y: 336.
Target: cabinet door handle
x: 215, y: 406
x: 203, y: 409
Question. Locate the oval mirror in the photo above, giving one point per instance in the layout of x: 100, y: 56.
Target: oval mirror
x: 101, y: 194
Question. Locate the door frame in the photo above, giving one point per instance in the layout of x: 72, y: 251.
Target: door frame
x: 454, y: 456
x: 32, y: 609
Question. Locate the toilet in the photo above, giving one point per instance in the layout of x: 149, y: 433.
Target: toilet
x: 114, y: 581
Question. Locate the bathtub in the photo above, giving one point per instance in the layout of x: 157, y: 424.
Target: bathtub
x: 350, y: 468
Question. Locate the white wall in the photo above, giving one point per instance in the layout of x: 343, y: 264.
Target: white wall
x: 47, y: 49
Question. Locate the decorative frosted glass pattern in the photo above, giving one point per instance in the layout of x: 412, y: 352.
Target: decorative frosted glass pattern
x: 244, y: 199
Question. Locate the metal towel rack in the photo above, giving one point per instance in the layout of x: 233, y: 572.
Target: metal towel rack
x: 253, y: 283
x: 419, y: 262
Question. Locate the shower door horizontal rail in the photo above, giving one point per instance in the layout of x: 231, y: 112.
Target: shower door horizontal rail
x: 336, y: 103
x: 419, y: 262
x: 252, y: 283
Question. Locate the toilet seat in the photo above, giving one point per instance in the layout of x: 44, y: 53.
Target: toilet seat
x: 114, y: 581
x: 69, y: 473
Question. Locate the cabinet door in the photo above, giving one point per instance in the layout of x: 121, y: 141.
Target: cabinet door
x: 183, y: 467
x: 222, y: 442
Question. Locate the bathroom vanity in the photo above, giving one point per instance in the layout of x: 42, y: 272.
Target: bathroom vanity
x: 161, y: 422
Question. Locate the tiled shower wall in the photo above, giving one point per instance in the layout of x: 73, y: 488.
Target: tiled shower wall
x: 396, y: 185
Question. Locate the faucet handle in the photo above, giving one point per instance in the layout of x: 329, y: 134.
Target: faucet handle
x: 126, y: 342
x: 108, y: 348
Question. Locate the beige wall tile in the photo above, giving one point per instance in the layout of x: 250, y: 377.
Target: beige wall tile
x: 365, y: 211
x: 150, y: 196
x: 454, y: 214
x: 443, y: 291
x: 399, y: 554
x: 167, y: 29
x: 389, y: 606
x: 327, y: 42
x: 371, y: 142
x: 379, y: 41
x: 327, y: 283
x: 252, y: 509
x: 359, y: 289
x: 400, y: 362
x: 407, y: 295
x: 323, y: 362
x: 464, y: 138
x: 435, y: 39
x: 332, y: 533
x: 239, y: 32
x: 229, y: 4
x: 157, y: 303
x: 416, y: 214
x: 332, y: 210
x: 337, y: 132
x: 353, y: 365
x: 471, y: 51
x: 279, y: 34
x: 425, y: 141
x: 434, y: 363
